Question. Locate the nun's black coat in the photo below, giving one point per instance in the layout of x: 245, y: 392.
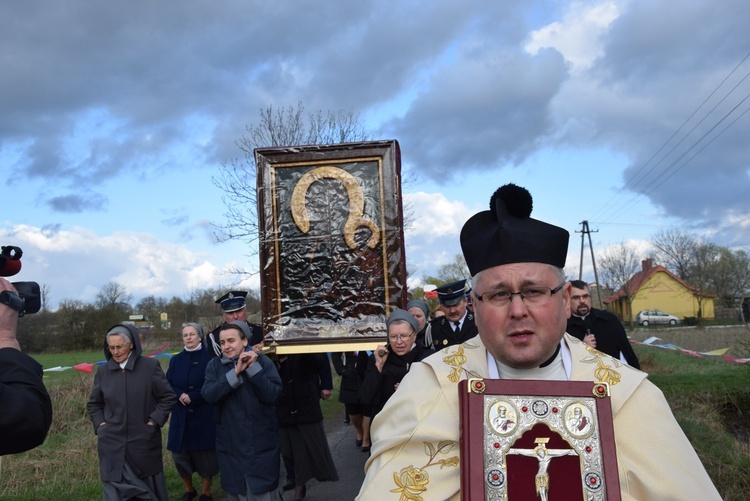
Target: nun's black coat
x: 126, y: 399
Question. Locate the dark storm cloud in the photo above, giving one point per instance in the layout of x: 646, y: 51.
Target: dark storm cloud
x: 490, y: 109
x: 92, y: 90
x: 661, y: 63
x: 75, y: 203
x: 153, y: 68
x: 150, y: 68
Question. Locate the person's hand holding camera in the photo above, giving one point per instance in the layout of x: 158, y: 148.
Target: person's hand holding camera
x: 8, y: 320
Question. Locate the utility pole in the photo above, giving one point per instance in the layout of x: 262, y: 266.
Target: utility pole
x: 586, y: 231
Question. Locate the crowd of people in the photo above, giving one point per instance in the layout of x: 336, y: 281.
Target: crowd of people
x: 234, y: 411
x: 240, y: 413
x: 237, y: 412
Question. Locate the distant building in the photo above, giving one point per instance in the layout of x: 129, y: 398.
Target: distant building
x: 140, y: 322
x: 655, y: 287
x: 603, y: 291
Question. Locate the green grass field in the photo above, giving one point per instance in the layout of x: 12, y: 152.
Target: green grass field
x: 709, y: 397
x: 66, y: 466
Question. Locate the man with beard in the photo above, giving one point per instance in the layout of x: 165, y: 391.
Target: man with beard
x: 457, y: 325
x: 598, y: 328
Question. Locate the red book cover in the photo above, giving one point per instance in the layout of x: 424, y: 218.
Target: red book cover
x: 537, y: 440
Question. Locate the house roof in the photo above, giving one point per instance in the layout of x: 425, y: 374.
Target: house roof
x: 640, y: 278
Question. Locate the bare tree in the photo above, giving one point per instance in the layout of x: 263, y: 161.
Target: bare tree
x: 113, y: 295
x: 676, y: 249
x: 74, y: 322
x: 731, y: 276
x: 447, y: 273
x: 151, y: 308
x: 454, y: 271
x: 277, y: 127
x: 44, y: 292
x: 702, y: 272
x: 619, y: 264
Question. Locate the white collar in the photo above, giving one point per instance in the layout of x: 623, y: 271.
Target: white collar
x: 460, y: 321
x: 559, y: 367
x: 124, y: 362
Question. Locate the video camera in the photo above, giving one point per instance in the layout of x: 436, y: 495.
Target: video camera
x: 28, y: 299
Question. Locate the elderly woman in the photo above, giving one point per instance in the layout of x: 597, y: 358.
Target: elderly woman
x: 389, y: 364
x: 192, y: 432
x: 244, y: 386
x: 421, y: 312
x: 129, y: 403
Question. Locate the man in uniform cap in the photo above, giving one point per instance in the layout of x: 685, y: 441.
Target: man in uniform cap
x: 233, y: 307
x: 457, y: 325
x: 521, y: 302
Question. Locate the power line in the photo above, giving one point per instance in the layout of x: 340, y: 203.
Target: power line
x: 639, y: 177
x: 674, y: 169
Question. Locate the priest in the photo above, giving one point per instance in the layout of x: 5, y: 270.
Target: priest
x: 521, y: 304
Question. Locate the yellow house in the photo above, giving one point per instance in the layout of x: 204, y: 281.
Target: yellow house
x: 655, y: 287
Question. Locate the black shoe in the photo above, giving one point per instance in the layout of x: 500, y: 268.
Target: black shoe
x: 299, y: 496
x: 205, y: 497
x: 346, y: 420
x: 358, y: 443
x: 189, y: 495
x: 366, y: 448
x: 288, y: 486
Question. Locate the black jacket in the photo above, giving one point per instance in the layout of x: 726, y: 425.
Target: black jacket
x: 609, y: 333
x: 299, y: 402
x: 127, y: 399
x: 348, y: 366
x: 378, y: 386
x: 443, y: 335
x: 25, y: 406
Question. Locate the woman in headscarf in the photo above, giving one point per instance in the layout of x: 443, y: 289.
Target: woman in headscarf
x: 129, y: 403
x: 192, y: 432
x: 389, y: 364
x: 421, y: 312
x: 244, y: 386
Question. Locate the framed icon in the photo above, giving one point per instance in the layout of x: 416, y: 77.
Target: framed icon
x: 331, y: 241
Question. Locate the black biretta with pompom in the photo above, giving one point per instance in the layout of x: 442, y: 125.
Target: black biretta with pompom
x: 506, y: 234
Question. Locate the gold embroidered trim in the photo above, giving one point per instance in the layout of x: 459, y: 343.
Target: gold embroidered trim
x: 603, y: 373
x: 412, y: 482
x: 457, y: 359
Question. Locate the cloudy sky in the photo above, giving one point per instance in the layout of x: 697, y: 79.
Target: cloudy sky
x: 115, y: 117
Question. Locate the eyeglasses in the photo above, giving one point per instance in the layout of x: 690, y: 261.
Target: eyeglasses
x: 578, y: 298
x: 530, y: 295
x: 400, y: 337
x: 117, y: 348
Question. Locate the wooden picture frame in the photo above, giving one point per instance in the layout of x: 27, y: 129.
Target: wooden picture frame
x: 331, y: 242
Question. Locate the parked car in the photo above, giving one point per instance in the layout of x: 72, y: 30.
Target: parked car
x: 647, y: 317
